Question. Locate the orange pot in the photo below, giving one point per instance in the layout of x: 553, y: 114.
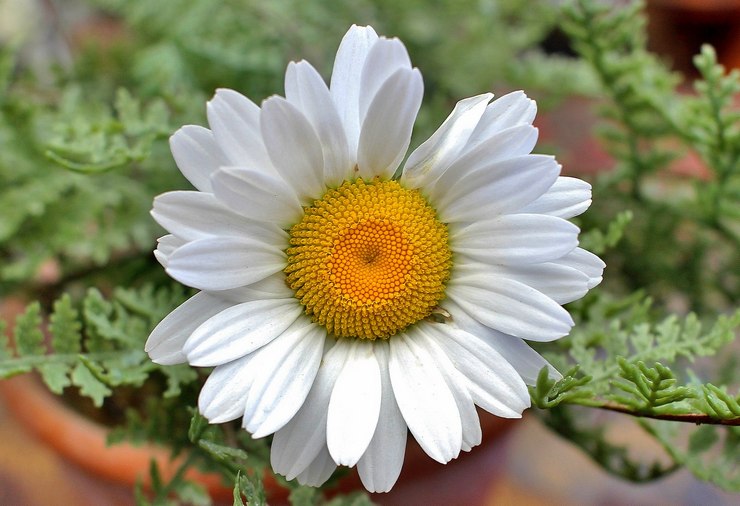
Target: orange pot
x: 83, y: 442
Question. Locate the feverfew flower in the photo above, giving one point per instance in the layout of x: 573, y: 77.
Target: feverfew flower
x: 340, y: 305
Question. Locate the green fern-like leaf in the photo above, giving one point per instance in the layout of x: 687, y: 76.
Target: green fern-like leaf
x: 548, y: 392
x: 65, y: 326
x: 89, y: 383
x: 97, y: 348
x: 648, y: 388
x: 599, y: 241
x: 710, y: 452
x: 719, y: 403
x: 29, y: 339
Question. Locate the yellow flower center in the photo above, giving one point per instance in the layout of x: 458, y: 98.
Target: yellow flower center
x: 368, y: 259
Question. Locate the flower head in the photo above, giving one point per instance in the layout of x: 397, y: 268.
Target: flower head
x: 341, y: 307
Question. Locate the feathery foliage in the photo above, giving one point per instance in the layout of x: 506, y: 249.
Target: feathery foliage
x: 85, y: 151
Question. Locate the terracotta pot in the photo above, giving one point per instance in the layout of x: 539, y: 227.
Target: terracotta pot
x: 83, y: 443
x: 678, y: 28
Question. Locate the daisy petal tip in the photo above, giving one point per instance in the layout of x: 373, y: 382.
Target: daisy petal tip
x: 166, y: 358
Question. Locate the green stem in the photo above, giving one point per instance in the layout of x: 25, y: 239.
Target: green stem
x: 24, y: 363
x: 695, y: 418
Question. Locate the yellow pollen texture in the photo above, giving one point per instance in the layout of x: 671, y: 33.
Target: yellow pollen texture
x: 368, y: 259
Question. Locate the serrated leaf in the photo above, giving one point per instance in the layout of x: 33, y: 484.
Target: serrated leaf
x: 238, y: 501
x: 304, y: 496
x: 56, y: 376
x: 65, y: 327
x: 354, y: 499
x: 251, y: 488
x: 222, y: 452
x: 89, y: 385
x: 29, y: 340
x: 177, y: 376
x: 192, y: 493
x: 198, y: 424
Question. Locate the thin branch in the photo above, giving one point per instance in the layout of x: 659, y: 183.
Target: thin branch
x: 695, y: 418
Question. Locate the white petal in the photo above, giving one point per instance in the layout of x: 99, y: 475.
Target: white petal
x: 505, y: 112
x: 272, y: 287
x: 224, y: 393
x: 494, y: 383
x: 165, y: 246
x: 586, y: 262
x: 345, y: 81
x: 298, y: 444
x: 386, y: 129
x: 235, y: 121
x: 257, y: 195
x: 515, y: 351
x: 496, y: 187
x: 240, y: 330
x: 305, y: 89
x: 221, y: 263
x: 514, y: 308
x: 381, y: 463
x: 196, y: 215
x: 166, y: 341
x: 197, y: 155
x: 562, y: 284
x: 294, y: 148
x: 424, y: 399
x: 516, y: 239
x: 432, y: 157
x: 567, y: 197
x: 285, y: 370
x: 484, y: 161
x: 459, y: 387
x: 383, y: 60
x: 318, y: 471
x: 354, y: 405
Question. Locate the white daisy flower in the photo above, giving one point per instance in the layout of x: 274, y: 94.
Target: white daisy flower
x: 341, y: 307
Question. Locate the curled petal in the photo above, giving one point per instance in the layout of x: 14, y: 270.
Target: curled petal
x: 586, y: 262
x: 568, y: 197
x: 505, y: 112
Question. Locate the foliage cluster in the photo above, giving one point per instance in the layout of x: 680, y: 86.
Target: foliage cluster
x: 85, y: 150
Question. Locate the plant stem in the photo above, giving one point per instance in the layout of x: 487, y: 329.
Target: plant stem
x: 695, y: 418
